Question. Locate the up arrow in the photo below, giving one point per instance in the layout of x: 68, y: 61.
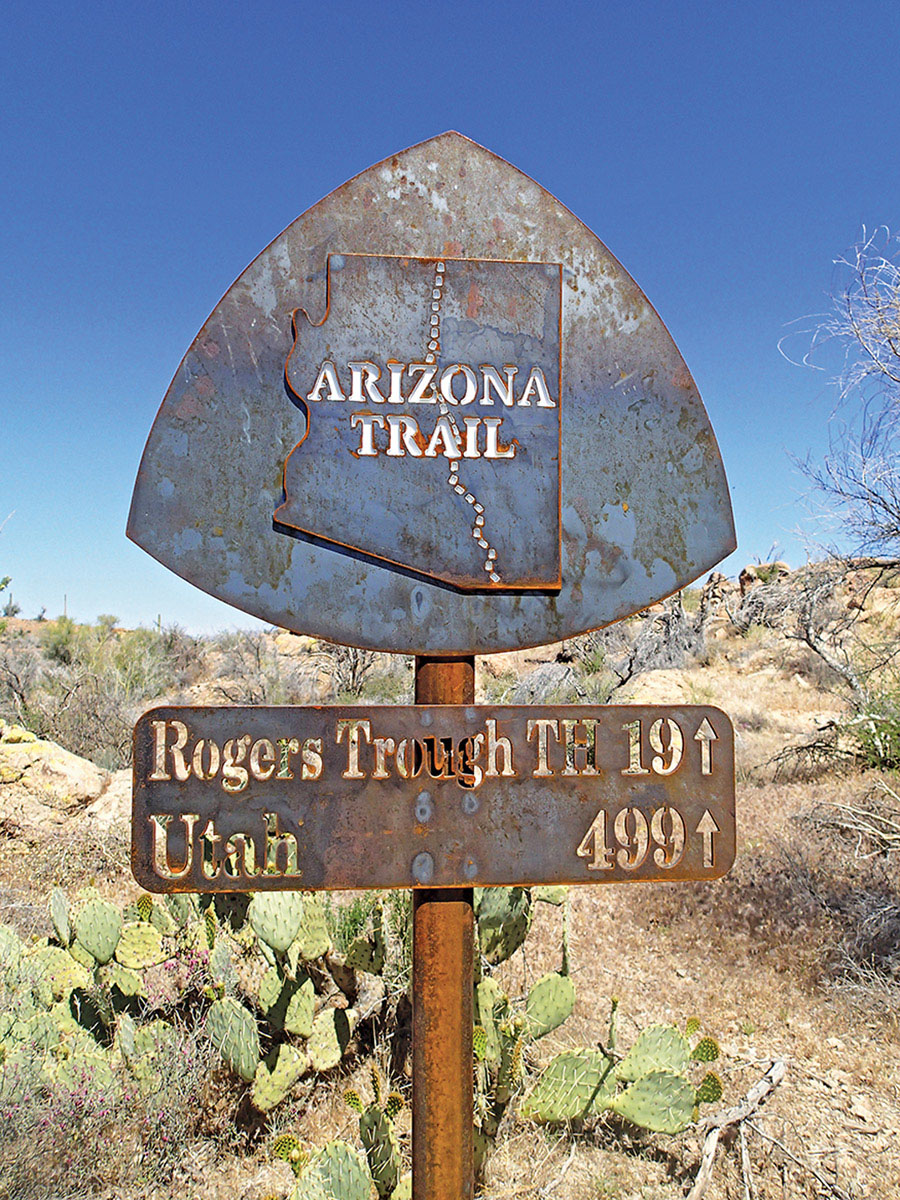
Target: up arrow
x: 708, y: 829
x: 706, y: 735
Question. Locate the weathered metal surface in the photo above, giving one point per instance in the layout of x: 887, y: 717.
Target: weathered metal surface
x: 443, y: 959
x: 232, y: 799
x: 442, y: 985
x: 371, y: 549
x: 427, y: 447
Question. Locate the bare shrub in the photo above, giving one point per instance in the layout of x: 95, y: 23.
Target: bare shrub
x: 667, y: 635
x: 86, y: 685
x: 348, y: 666
x: 250, y: 670
x: 98, y: 1132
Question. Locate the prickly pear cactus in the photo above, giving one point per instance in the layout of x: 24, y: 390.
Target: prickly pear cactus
x: 140, y: 946
x: 232, y: 1030
x: 549, y: 1003
x: 574, y: 1084
x: 98, y: 925
x: 658, y: 1048
x: 276, y: 1075
x: 660, y: 1101
x: 276, y: 917
x: 336, y: 1172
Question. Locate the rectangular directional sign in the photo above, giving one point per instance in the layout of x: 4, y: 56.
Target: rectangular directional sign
x: 249, y: 799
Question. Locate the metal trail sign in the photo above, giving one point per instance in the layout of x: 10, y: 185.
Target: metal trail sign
x: 436, y: 416
x: 237, y: 799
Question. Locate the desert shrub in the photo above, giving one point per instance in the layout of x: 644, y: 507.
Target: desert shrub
x: 85, y: 685
x: 250, y: 670
x: 349, y: 668
x: 876, y: 732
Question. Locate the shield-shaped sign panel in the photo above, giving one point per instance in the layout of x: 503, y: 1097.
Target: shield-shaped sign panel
x: 437, y: 416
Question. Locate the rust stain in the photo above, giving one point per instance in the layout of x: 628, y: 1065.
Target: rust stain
x: 189, y: 407
x: 453, y: 249
x: 474, y: 301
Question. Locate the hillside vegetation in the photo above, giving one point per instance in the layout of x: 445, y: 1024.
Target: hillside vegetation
x: 199, y: 1050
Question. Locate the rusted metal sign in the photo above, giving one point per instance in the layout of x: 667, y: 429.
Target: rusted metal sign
x: 435, y: 415
x: 248, y: 799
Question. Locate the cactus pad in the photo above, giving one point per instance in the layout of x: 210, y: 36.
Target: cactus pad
x: 706, y: 1050
x: 376, y: 1132
x: 287, y: 1147
x: 276, y: 1075
x: 479, y: 1043
x: 549, y: 1003
x: 337, y: 1172
x: 658, y: 1048
x: 59, y: 915
x: 353, y: 1100
x: 97, y: 927
x: 550, y: 893
x: 60, y: 970
x: 692, y: 1026
x: 275, y: 918
x: 491, y: 1005
x: 661, y: 1101
x: 403, y: 1190
x: 329, y: 1038
x: 289, y: 1004
x: 574, y: 1084
x: 128, y: 982
x: 504, y: 918
x: 182, y: 908
x: 312, y: 939
x: 232, y: 1030
x: 140, y: 946
x: 710, y: 1090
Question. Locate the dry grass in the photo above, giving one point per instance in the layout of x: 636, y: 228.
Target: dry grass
x: 792, y: 956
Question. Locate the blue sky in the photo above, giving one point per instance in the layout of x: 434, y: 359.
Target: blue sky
x: 725, y: 153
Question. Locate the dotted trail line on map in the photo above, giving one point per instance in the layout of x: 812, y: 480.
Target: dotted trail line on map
x: 434, y: 346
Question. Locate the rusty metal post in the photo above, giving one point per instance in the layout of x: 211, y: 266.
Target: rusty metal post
x: 443, y: 948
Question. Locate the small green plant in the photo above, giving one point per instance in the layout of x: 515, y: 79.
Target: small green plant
x: 650, y: 1086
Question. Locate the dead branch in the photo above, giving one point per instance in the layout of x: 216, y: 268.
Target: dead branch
x: 715, y: 1123
x: 800, y: 1162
